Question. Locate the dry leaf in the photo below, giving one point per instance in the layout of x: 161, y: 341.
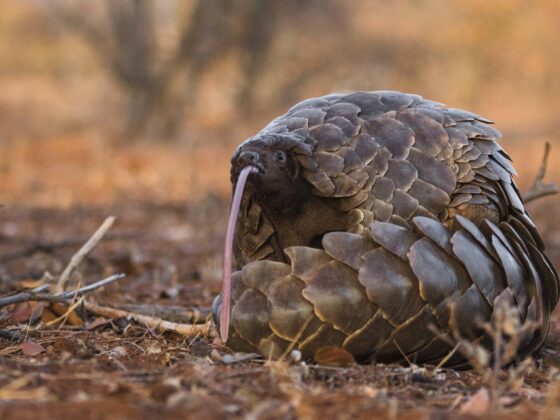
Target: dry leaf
x: 61, y: 310
x: 25, y: 311
x: 74, y: 319
x: 29, y: 283
x: 29, y: 348
x: 478, y: 404
x: 48, y: 315
x: 98, y: 322
x: 334, y: 356
x: 21, y: 313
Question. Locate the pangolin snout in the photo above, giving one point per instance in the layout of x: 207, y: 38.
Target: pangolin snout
x: 248, y: 158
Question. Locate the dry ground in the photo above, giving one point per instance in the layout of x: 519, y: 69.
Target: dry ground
x: 122, y: 370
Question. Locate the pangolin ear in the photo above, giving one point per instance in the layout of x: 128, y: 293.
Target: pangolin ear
x: 294, y: 168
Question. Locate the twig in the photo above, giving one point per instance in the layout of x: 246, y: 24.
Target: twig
x: 40, y: 289
x: 90, y: 287
x: 449, y: 356
x: 37, y: 295
x: 297, y: 337
x: 188, y: 330
x: 403, y: 353
x: 539, y: 189
x: 82, y: 252
x: 496, y: 367
x: 180, y: 314
x: 27, y: 297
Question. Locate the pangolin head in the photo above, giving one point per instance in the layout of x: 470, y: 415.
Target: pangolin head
x: 267, y: 168
x: 277, y: 180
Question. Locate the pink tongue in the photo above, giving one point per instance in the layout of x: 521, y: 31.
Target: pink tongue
x: 234, y: 212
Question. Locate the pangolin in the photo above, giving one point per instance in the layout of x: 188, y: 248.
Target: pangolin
x: 381, y: 223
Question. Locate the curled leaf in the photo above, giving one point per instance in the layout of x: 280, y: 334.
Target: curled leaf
x: 334, y: 356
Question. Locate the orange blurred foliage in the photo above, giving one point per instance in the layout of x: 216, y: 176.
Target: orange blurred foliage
x: 59, y: 109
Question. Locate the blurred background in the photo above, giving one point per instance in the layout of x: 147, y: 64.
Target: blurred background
x: 113, y: 101
x: 105, y: 100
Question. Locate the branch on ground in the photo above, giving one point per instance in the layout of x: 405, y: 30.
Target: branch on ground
x: 59, y: 295
x: 152, y: 322
x: 83, y: 252
x: 38, y: 295
x: 179, y: 314
x: 539, y: 188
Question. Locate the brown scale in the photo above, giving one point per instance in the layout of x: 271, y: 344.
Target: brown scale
x: 374, y: 218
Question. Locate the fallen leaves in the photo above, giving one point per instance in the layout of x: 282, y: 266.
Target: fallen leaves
x: 48, y: 312
x: 334, y: 357
x: 27, y: 312
x: 56, y: 313
x: 32, y: 349
x: 478, y: 404
x: 28, y: 283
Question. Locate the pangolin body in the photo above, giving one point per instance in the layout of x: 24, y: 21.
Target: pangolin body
x: 381, y: 223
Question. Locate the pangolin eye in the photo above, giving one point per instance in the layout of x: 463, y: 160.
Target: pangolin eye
x: 280, y: 156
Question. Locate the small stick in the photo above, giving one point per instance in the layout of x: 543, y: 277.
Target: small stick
x: 39, y: 289
x: 297, y: 337
x: 181, y: 314
x: 188, y: 330
x: 90, y: 287
x: 82, y: 252
x: 403, y: 353
x: 27, y: 297
x: 36, y: 295
x: 539, y: 189
x: 449, y: 356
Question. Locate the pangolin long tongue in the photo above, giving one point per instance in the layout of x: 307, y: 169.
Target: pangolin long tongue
x: 234, y: 212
